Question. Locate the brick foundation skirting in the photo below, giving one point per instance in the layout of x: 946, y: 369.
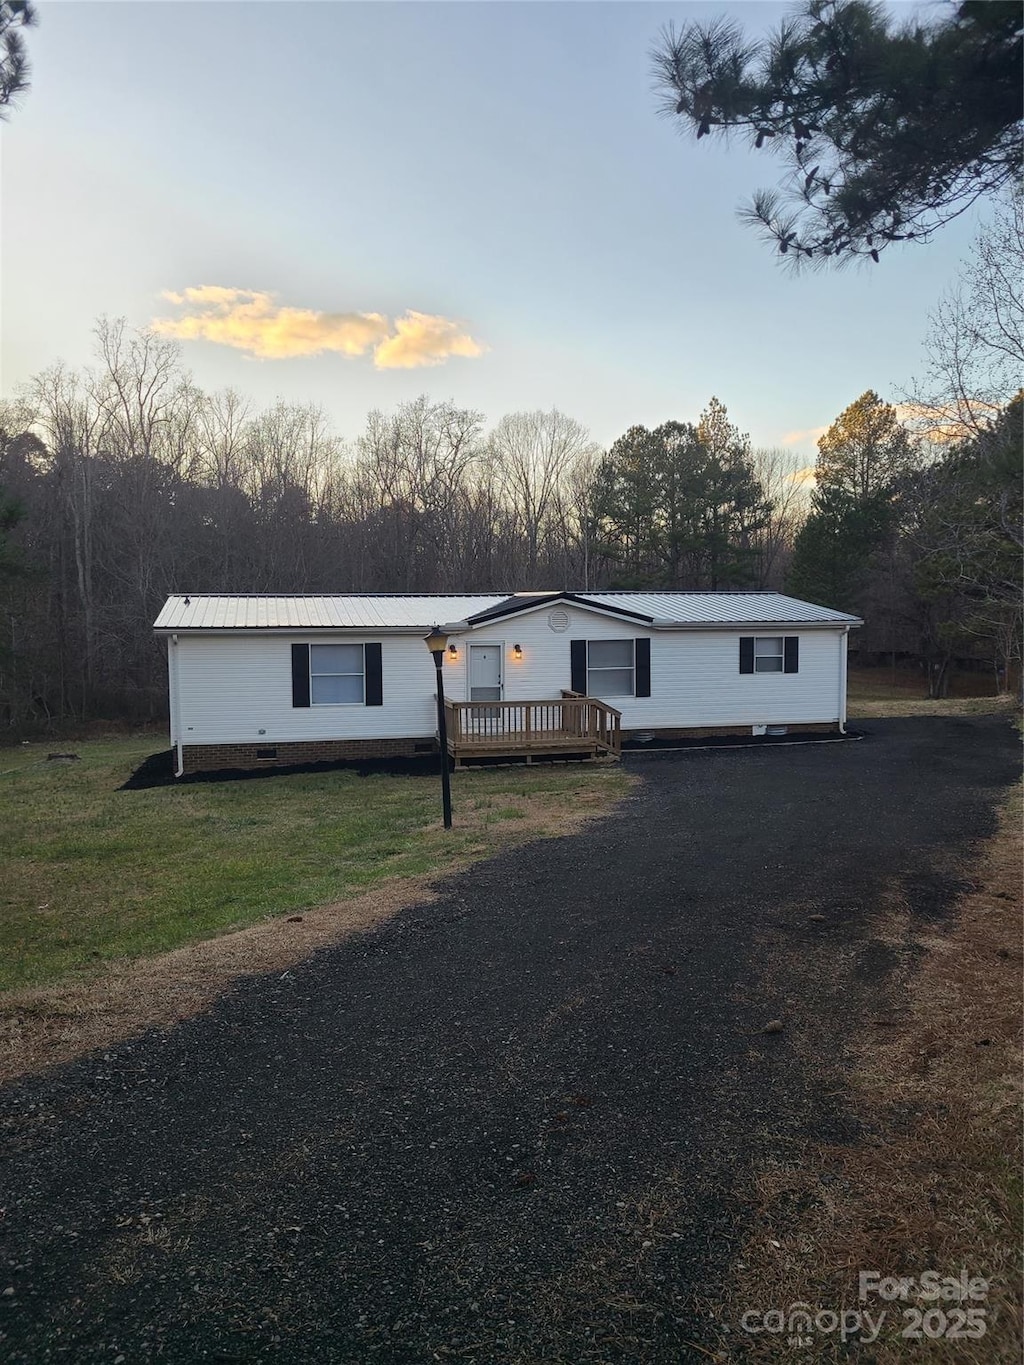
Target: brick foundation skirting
x: 199, y: 758
x: 725, y: 731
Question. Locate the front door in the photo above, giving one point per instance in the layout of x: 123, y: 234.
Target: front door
x: 485, y: 672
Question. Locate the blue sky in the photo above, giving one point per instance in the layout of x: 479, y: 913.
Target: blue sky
x: 496, y: 169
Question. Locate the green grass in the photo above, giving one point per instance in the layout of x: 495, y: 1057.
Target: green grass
x: 89, y: 873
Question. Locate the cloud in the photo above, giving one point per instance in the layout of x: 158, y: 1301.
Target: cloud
x: 423, y: 339
x: 253, y: 321
x: 802, y: 477
x: 795, y: 438
x: 939, y: 423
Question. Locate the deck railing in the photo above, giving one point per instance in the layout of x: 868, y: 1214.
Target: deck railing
x: 534, y: 726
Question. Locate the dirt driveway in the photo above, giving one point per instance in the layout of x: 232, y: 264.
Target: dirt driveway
x: 517, y: 1126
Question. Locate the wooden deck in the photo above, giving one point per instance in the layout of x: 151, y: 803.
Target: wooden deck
x: 572, y: 725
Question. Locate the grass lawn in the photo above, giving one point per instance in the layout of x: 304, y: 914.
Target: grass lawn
x: 92, y: 874
x: 877, y: 692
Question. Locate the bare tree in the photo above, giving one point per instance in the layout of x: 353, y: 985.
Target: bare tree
x: 783, y: 477
x: 411, y: 470
x: 533, y: 454
x: 975, y: 342
x: 70, y: 427
x: 221, y: 423
x: 138, y: 389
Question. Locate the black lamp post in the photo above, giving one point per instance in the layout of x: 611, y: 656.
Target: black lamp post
x: 436, y: 642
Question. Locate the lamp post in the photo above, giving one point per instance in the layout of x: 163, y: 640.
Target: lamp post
x: 436, y: 642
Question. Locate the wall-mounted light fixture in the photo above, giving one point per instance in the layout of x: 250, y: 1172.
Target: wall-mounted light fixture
x: 517, y: 653
x: 453, y: 651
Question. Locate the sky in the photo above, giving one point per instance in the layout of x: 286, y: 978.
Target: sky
x: 355, y: 203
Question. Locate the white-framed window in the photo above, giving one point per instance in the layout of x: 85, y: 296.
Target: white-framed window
x: 611, y: 668
x: 337, y: 675
x: 768, y: 653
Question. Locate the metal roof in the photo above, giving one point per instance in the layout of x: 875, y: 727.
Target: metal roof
x: 355, y: 611
x: 721, y: 608
x: 527, y: 601
x: 386, y: 611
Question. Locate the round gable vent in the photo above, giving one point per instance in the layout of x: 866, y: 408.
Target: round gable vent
x: 558, y: 621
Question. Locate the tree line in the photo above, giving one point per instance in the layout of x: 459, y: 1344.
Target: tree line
x: 926, y: 549
x: 124, y: 482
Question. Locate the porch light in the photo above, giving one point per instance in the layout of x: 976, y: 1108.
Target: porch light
x: 436, y: 642
x: 453, y: 650
x: 517, y: 653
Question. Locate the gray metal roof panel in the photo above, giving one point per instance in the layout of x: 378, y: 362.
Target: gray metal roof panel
x: 386, y: 611
x: 198, y: 611
x: 722, y: 608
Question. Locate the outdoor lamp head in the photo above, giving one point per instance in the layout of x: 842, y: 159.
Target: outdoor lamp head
x: 436, y: 640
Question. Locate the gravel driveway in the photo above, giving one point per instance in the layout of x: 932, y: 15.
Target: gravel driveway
x: 515, y: 1126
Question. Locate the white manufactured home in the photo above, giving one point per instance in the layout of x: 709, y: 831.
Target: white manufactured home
x: 258, y: 680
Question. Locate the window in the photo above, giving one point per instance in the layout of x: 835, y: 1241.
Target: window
x: 610, y: 666
x: 336, y: 675
x: 768, y: 654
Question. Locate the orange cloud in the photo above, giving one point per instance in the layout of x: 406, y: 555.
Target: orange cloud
x: 253, y: 321
x: 939, y: 424
x: 423, y: 339
x: 803, y: 477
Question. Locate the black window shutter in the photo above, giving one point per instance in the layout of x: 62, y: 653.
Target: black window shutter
x: 300, y: 675
x: 578, y: 656
x: 642, y: 681
x: 791, y: 654
x: 374, y: 674
x: 746, y: 653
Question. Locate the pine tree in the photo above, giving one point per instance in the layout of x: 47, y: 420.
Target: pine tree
x: 888, y: 129
x: 14, y: 16
x: 862, y: 459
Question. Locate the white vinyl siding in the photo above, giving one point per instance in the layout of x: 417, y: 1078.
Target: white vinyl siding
x: 694, y: 676
x: 768, y: 654
x: 610, y: 668
x: 238, y: 688
x: 337, y: 675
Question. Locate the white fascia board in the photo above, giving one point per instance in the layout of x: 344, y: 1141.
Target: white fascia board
x: 558, y: 603
x: 372, y: 632
x: 790, y: 626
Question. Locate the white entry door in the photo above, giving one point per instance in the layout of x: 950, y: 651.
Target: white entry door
x: 485, y: 672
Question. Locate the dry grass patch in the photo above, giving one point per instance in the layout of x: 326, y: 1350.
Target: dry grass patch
x: 880, y: 708
x: 935, y: 1184
x: 877, y: 693
x: 45, y: 1025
